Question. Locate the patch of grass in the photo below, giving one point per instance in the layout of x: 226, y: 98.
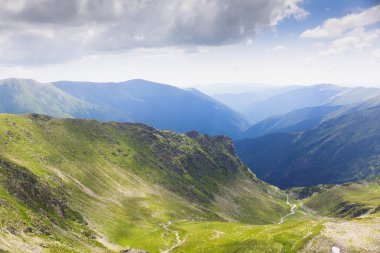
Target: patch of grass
x: 237, y: 237
x: 347, y: 200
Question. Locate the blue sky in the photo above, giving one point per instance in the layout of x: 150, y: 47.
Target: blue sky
x: 320, y: 10
x: 192, y: 42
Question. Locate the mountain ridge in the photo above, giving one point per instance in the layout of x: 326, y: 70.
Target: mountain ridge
x: 266, y: 103
x: 339, y: 150
x: 160, y: 105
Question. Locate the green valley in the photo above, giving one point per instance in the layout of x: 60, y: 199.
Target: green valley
x: 348, y: 200
x: 70, y: 185
x: 124, y: 181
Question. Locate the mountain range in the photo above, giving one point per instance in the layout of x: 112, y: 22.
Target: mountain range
x: 308, y: 117
x: 284, y: 150
x: 274, y: 109
x: 159, y: 105
x: 342, y: 149
x: 276, y: 101
x: 294, y: 121
x: 87, y: 183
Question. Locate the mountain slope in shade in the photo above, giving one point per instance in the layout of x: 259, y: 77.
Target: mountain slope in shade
x: 301, y: 97
x: 355, y: 95
x: 159, y: 105
x: 81, y: 184
x: 339, y: 150
x: 262, y: 104
x: 309, y: 117
x: 239, y: 101
x: 295, y: 121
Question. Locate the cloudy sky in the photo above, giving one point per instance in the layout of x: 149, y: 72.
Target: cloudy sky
x: 192, y: 42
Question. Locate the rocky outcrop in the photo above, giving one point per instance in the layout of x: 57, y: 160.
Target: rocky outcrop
x: 134, y: 251
x: 41, y: 197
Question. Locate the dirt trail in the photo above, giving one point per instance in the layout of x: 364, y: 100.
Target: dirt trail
x: 178, y: 238
x: 291, y: 212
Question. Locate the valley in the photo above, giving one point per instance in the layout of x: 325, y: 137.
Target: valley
x: 84, y: 185
x: 107, y: 187
x: 135, y: 177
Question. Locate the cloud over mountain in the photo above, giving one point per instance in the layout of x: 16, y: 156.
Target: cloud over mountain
x: 63, y: 30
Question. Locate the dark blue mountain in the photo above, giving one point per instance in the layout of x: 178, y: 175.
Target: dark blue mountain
x: 295, y: 121
x: 159, y: 105
x: 339, y: 150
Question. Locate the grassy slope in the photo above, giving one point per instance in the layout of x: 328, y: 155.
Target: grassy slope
x: 33, y: 215
x: 355, y: 212
x: 302, y: 232
x: 127, y: 180
x: 237, y: 237
x: 347, y: 200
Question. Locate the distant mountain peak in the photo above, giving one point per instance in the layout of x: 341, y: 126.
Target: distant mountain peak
x: 19, y: 81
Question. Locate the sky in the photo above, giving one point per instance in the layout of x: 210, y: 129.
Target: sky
x: 192, y: 42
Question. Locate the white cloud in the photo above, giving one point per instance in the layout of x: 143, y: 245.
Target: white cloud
x: 98, y: 26
x: 356, y: 40
x: 352, y: 33
x: 249, y: 42
x: 139, y: 37
x: 376, y: 54
x: 335, y: 27
x: 310, y: 61
x: 278, y: 48
x: 318, y: 44
x: 236, y: 65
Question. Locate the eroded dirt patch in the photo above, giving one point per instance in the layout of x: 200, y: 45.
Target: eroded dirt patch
x: 359, y: 235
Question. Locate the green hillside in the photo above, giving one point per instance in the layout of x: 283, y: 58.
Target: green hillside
x: 86, y: 186
x: 353, y: 211
x: 347, y: 200
x: 89, y: 185
x: 345, y: 216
